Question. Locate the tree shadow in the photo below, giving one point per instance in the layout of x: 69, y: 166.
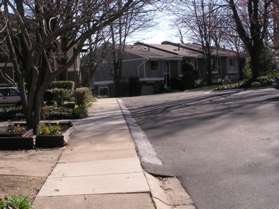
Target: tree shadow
x: 186, y: 113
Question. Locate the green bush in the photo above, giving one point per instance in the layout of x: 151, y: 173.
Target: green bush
x: 83, y: 96
x: 15, y: 202
x: 255, y: 84
x: 50, y: 129
x: 16, y: 129
x: 273, y: 74
x: 70, y: 105
x: 54, y: 112
x: 247, y: 72
x: 264, y: 80
x: 60, y: 95
x: 266, y: 60
x: 70, y: 85
x: 230, y: 86
x: 59, y: 92
x: 80, y: 111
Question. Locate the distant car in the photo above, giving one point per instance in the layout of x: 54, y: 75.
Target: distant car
x: 9, y: 95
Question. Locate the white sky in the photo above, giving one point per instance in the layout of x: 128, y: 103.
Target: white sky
x: 163, y: 30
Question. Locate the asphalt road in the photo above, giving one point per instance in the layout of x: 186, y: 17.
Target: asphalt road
x: 224, y: 147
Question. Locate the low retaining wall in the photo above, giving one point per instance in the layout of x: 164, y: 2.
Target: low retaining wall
x: 25, y: 143
x: 16, y: 143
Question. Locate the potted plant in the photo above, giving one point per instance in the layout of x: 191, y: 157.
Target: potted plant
x: 50, y: 135
x: 15, y: 137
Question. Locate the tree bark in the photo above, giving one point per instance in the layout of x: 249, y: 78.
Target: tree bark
x: 255, y: 63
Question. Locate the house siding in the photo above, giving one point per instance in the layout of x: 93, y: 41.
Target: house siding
x: 155, y: 68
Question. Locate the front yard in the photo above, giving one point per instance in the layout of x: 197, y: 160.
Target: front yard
x: 24, y: 172
x: 62, y: 101
x: 23, y: 169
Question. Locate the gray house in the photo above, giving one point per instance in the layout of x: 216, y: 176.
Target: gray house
x: 226, y: 62
x: 156, y: 65
x: 152, y: 66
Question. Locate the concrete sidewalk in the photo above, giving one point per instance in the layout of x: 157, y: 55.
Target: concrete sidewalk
x: 99, y: 169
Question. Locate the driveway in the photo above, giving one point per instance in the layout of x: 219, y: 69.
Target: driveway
x: 224, y: 146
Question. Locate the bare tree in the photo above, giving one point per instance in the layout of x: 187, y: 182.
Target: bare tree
x: 201, y: 19
x: 132, y: 21
x: 94, y: 53
x: 252, y: 19
x: 44, y: 38
x: 229, y: 37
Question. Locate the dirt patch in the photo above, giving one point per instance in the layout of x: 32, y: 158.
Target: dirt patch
x: 36, y: 163
x: 24, y: 172
x: 20, y: 185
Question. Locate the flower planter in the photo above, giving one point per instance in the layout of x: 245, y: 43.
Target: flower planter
x: 49, y: 141
x: 54, y: 141
x: 16, y: 143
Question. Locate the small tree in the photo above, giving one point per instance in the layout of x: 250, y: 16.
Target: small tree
x: 44, y: 38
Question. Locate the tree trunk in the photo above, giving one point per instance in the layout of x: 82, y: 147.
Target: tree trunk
x: 240, y: 66
x: 209, y: 70
x: 33, y: 114
x: 37, y: 116
x: 117, y: 77
x: 255, y: 63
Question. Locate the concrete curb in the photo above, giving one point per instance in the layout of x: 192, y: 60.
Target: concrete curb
x: 144, y: 147
x: 68, y: 133
x: 167, y: 192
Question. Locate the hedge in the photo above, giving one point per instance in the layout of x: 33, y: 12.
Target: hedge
x: 83, y: 96
x: 69, y: 85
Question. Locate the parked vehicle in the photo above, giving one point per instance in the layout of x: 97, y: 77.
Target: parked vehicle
x: 9, y: 95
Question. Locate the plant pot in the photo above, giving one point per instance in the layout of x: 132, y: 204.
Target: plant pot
x: 49, y: 141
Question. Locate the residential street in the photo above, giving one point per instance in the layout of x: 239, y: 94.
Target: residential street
x: 223, y: 146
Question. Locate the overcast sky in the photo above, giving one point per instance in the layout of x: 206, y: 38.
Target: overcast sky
x: 163, y: 30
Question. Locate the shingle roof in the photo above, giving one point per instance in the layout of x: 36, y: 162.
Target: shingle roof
x: 196, y: 49
x: 184, y: 52
x: 151, y: 52
x: 170, y: 49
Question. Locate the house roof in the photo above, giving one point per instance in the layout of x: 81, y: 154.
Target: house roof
x: 165, y: 51
x: 176, y: 49
x: 181, y: 51
x: 197, y: 48
x: 152, y: 52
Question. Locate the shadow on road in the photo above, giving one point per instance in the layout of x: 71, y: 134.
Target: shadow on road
x: 193, y: 111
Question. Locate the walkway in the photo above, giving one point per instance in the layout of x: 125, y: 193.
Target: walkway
x: 99, y: 168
